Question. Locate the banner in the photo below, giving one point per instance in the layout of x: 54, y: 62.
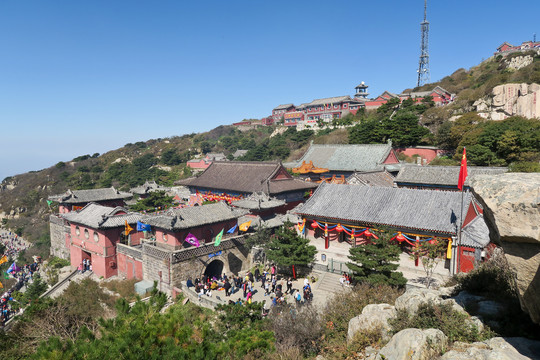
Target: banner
x: 13, y: 268
x: 128, y: 229
x: 218, y: 238
x: 4, y: 259
x: 190, y: 238
x: 232, y: 230
x: 245, y: 226
x: 462, y: 170
x: 449, y: 250
x: 143, y: 227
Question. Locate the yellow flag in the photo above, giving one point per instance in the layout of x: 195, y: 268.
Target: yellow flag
x: 1, y: 286
x: 245, y: 226
x: 128, y: 229
x: 3, y: 259
x: 449, y: 250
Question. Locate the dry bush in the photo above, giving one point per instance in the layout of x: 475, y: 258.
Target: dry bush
x: 124, y: 288
x: 339, y: 136
x: 296, y: 328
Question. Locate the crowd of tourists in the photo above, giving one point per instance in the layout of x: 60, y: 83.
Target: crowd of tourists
x: 268, y: 281
x: 13, y: 243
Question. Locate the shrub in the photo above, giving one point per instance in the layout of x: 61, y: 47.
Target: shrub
x: 57, y: 263
x: 297, y: 328
x: 443, y: 317
x: 125, y: 288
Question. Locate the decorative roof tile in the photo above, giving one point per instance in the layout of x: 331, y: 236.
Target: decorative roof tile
x: 148, y: 187
x: 258, y: 201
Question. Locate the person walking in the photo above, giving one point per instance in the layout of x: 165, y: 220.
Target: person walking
x: 227, y: 287
x: 289, y: 286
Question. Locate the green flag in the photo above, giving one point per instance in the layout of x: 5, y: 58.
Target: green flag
x: 49, y: 202
x: 6, y: 276
x: 218, y: 238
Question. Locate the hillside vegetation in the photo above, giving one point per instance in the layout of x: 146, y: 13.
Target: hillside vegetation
x: 514, y: 142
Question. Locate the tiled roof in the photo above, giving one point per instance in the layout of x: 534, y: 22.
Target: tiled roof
x: 246, y: 177
x: 442, y: 175
x: 371, y: 178
x: 283, y: 107
x: 98, y: 216
x: 182, y: 192
x: 401, y: 208
x: 258, y: 201
x: 475, y: 234
x: 360, y: 157
x: 189, y: 217
x: 330, y: 100
x: 84, y: 196
x: 281, y: 219
x: 148, y: 187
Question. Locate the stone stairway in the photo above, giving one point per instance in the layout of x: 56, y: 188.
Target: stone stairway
x: 325, y: 287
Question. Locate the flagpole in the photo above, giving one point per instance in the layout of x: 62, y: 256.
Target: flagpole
x: 459, y: 236
x: 461, y: 185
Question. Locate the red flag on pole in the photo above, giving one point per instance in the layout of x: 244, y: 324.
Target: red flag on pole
x: 462, y: 171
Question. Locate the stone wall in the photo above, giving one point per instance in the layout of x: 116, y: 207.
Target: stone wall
x: 178, y: 266
x: 59, y: 230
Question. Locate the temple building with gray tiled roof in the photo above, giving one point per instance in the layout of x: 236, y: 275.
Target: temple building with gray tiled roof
x: 77, y: 199
x: 440, y: 177
x: 242, y: 178
x: 342, y: 159
x: 414, y: 212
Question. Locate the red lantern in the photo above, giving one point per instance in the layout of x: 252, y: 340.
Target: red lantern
x: 314, y: 225
x: 339, y: 228
x: 368, y: 233
x: 400, y: 237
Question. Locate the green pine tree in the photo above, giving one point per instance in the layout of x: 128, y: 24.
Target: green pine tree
x: 287, y: 248
x: 376, y: 262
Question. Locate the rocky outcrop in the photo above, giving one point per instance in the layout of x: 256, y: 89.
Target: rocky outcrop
x: 512, y: 211
x: 519, y: 62
x: 415, y: 344
x: 495, y: 348
x: 509, y: 100
x: 374, y: 317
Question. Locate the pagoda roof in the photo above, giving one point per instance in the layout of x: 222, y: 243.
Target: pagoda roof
x: 190, y: 217
x: 97, y: 216
x: 247, y: 177
x: 283, y: 107
x: 329, y: 100
x: 338, y: 157
x: 85, y: 196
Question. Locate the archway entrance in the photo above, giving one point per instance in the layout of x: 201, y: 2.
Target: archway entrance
x: 215, y: 268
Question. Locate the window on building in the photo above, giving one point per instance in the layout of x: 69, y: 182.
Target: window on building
x: 165, y: 237
x: 96, y: 237
x: 77, y: 231
x: 344, y: 106
x: 86, y: 234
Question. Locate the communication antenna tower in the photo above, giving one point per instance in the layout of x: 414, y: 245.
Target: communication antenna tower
x: 423, y: 66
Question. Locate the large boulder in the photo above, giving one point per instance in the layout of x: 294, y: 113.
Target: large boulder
x: 374, y: 317
x: 495, y: 349
x: 415, y: 344
x: 413, y: 298
x: 511, y: 209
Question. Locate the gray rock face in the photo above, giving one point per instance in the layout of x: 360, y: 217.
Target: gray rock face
x: 415, y: 344
x: 374, y: 317
x: 511, y: 208
x: 494, y: 349
x: 509, y: 100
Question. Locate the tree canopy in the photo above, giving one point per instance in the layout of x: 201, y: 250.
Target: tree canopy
x: 287, y: 248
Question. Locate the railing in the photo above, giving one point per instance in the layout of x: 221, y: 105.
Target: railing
x: 332, y: 266
x: 131, y: 251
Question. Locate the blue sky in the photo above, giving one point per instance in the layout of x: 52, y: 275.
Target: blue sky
x: 79, y: 77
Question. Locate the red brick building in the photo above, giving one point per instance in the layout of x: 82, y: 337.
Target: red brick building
x: 94, y: 233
